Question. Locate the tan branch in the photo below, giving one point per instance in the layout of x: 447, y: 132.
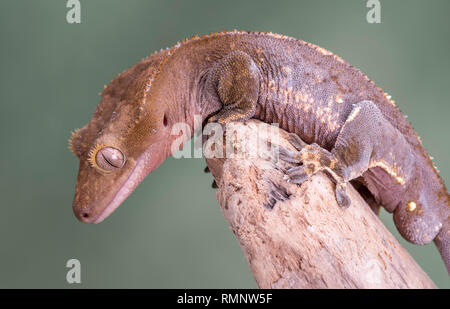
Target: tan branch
x: 297, y: 236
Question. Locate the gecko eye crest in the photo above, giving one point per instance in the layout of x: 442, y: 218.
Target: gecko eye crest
x: 108, y: 158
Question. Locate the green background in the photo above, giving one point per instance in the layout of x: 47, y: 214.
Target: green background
x: 170, y: 232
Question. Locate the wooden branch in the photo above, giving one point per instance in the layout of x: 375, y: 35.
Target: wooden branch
x: 297, y: 236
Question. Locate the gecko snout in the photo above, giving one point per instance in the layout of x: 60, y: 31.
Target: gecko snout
x: 84, y: 216
x: 82, y: 211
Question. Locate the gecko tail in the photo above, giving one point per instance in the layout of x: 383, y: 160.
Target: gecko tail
x: 442, y: 242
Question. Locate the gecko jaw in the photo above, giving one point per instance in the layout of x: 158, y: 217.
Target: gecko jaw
x: 130, y: 184
x: 142, y: 168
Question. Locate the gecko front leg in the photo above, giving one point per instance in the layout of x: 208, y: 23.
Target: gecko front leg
x: 236, y: 81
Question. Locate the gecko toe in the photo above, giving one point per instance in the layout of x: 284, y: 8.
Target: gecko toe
x: 296, y: 141
x: 299, y: 179
x: 214, y: 184
x: 296, y: 171
x: 297, y: 174
x: 290, y: 156
x: 342, y: 197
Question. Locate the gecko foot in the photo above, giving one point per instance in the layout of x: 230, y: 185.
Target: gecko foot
x: 309, y: 160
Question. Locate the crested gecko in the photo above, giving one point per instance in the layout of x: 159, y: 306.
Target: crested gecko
x: 339, y: 121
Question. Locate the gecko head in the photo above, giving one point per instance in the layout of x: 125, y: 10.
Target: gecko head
x: 127, y: 138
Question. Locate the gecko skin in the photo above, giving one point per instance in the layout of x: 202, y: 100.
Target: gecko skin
x: 339, y: 121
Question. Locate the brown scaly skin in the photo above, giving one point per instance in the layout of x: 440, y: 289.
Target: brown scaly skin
x: 340, y: 122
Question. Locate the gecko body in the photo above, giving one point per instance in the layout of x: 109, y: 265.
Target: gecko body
x: 339, y: 121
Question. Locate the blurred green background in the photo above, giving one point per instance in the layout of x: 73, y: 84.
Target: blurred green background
x: 170, y: 232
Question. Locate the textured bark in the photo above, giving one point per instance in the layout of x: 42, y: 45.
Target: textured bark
x: 297, y: 236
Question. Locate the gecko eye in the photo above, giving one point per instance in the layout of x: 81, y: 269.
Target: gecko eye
x: 109, y: 158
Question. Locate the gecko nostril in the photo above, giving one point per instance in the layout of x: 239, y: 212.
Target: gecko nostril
x: 165, y: 120
x: 85, y: 215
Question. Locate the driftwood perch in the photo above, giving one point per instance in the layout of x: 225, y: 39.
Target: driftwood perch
x: 297, y: 236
